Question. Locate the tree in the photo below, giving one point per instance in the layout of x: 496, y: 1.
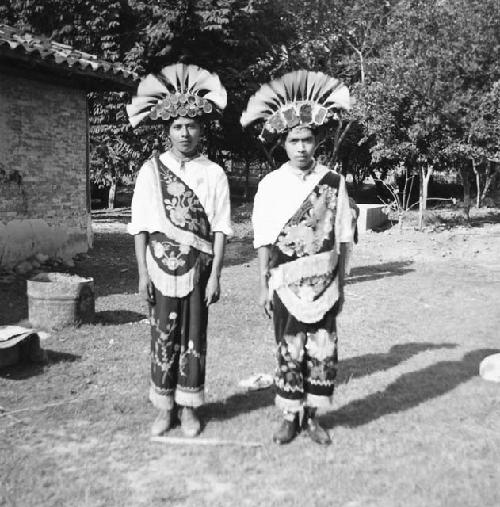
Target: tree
x: 432, y: 56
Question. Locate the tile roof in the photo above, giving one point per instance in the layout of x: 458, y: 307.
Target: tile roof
x: 41, y: 49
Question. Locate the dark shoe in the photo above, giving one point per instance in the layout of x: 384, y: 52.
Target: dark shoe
x: 190, y: 424
x: 317, y: 433
x: 162, y: 424
x: 287, y: 431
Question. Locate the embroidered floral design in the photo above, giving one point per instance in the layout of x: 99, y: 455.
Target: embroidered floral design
x: 176, y: 188
x: 322, y: 373
x: 294, y: 346
x: 173, y: 262
x: 158, y: 249
x: 161, y: 352
x: 309, y: 231
x: 289, y: 368
x: 182, y: 206
x: 321, y: 344
x: 179, y: 215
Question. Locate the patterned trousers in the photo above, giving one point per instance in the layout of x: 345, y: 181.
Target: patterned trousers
x: 307, y: 359
x: 178, y: 348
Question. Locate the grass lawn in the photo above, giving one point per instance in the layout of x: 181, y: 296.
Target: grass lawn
x: 413, y: 423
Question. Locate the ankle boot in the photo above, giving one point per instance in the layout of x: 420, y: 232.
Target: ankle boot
x: 287, y: 431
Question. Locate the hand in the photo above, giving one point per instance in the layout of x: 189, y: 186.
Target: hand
x: 146, y: 289
x: 265, y: 301
x: 212, y: 292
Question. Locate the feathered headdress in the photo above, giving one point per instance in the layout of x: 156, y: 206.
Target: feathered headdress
x: 298, y: 98
x: 178, y: 90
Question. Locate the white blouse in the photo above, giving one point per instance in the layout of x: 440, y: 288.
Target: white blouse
x: 208, y: 181
x: 280, y: 194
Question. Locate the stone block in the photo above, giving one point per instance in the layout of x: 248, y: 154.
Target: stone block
x: 371, y: 216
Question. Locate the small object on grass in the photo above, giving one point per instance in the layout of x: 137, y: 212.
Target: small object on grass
x: 257, y: 382
x: 203, y: 441
x: 489, y: 369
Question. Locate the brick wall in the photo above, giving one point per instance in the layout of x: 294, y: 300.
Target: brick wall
x: 43, y: 136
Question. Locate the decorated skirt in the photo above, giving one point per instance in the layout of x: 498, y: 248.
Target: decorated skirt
x: 303, y: 264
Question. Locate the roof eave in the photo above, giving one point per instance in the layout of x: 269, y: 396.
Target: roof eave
x: 75, y: 75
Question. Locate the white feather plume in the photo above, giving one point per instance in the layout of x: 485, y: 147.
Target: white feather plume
x: 295, y: 87
x: 178, y: 78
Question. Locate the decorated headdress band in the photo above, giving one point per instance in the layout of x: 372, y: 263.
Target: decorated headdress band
x: 301, y: 97
x: 178, y: 90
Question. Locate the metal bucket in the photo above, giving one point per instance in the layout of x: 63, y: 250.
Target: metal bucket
x: 57, y: 300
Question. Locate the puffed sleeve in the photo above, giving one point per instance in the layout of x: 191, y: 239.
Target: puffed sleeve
x: 222, y: 210
x: 142, y: 201
x: 344, y: 225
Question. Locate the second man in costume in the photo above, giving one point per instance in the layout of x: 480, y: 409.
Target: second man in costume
x: 302, y: 228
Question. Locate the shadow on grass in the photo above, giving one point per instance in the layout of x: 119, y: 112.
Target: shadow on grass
x: 26, y: 369
x: 377, y: 271
x: 237, y: 404
x: 408, y: 391
x: 354, y: 367
x: 117, y: 317
x: 362, y: 366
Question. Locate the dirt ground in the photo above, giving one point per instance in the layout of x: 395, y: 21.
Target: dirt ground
x: 413, y: 424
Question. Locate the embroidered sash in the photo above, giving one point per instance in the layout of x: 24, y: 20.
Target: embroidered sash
x: 303, y: 258
x: 175, y: 256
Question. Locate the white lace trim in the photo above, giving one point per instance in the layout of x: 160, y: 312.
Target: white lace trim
x: 189, y: 399
x: 304, y: 267
x: 299, y: 270
x: 286, y: 404
x: 317, y: 401
x: 324, y: 383
x: 309, y: 311
x: 172, y: 286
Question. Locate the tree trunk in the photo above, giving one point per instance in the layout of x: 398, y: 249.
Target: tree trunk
x: 362, y: 67
x: 478, y: 183
x: 490, y: 177
x: 464, y: 173
x: 400, y: 221
x: 338, y: 138
x: 406, y: 204
x: 112, y: 193
x: 405, y: 189
x: 425, y: 176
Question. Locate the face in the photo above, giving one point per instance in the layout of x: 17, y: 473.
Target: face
x: 185, y: 135
x: 300, y: 145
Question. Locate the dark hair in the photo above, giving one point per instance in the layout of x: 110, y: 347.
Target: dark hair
x: 318, y: 132
x: 200, y: 120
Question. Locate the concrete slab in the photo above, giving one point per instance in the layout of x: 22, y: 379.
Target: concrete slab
x: 371, y: 216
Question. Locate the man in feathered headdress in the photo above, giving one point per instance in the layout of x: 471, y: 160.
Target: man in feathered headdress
x: 180, y: 218
x: 302, y: 225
